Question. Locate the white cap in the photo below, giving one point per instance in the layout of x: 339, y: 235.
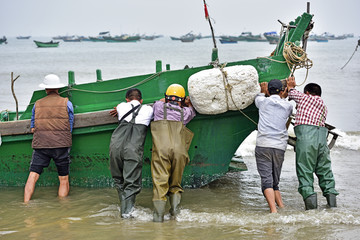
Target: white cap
x: 51, y: 81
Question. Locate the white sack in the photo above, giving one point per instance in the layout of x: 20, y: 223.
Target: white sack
x: 207, y: 91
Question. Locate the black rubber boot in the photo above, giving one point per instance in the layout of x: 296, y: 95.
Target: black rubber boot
x: 331, y: 200
x: 127, y: 206
x: 159, y: 210
x: 174, y: 203
x: 311, y: 202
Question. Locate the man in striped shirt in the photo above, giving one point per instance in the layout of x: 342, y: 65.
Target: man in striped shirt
x: 312, y: 152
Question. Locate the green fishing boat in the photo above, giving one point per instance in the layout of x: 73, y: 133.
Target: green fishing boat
x: 216, y: 137
x: 46, y: 44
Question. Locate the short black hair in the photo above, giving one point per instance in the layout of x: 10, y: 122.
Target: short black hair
x: 313, y: 89
x: 134, y: 94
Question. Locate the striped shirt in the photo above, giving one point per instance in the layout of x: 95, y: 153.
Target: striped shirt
x: 310, y: 110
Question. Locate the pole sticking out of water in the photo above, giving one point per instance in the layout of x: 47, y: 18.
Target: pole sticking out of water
x: 13, y: 93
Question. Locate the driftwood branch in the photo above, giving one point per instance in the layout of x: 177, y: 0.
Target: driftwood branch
x: 13, y: 93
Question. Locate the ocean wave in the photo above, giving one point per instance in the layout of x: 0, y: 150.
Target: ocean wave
x: 350, y: 140
x: 314, y: 217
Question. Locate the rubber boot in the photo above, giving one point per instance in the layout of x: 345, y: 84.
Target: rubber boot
x: 311, y: 202
x: 174, y: 203
x: 331, y: 200
x: 127, y: 206
x: 159, y: 210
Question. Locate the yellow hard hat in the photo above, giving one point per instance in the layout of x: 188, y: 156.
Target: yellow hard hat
x: 175, y: 90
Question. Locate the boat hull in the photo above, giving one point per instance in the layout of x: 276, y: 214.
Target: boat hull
x: 210, y: 154
x: 46, y: 44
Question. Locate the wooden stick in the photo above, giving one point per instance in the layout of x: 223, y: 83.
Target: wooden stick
x: 13, y: 93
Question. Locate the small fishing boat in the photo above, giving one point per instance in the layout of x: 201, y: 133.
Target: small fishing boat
x: 46, y: 44
x: 122, y: 38
x: 225, y: 39
x: 189, y: 37
x: 3, y: 40
x: 255, y: 38
x: 175, y: 38
x: 23, y: 37
x: 216, y: 136
x: 272, y: 37
x: 321, y: 39
x: 71, y: 39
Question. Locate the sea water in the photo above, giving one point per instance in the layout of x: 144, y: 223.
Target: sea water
x: 232, y: 207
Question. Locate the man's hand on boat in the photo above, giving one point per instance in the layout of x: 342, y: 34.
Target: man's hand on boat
x: 113, y: 112
x: 290, y: 83
x: 264, y: 88
x: 188, y: 102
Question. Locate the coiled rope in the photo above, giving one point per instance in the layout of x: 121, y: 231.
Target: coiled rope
x: 295, y: 57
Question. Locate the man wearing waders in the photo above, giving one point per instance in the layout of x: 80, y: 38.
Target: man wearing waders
x: 171, y: 142
x: 127, y: 148
x: 312, y: 152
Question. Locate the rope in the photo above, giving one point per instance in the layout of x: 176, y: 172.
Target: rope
x: 228, y: 87
x: 295, y: 57
x: 113, y: 91
x: 352, y: 54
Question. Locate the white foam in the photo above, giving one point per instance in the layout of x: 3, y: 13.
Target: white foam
x: 74, y: 218
x: 347, y: 140
x: 109, y: 211
x: 316, y: 217
x: 7, y: 232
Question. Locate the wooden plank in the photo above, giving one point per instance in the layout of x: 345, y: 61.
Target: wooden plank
x: 81, y: 120
x: 94, y: 119
x: 15, y: 127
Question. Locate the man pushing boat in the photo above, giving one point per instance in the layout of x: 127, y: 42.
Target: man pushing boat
x: 51, y: 122
x: 171, y: 142
x: 127, y: 148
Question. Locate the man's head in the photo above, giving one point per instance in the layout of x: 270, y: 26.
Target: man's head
x: 175, y: 93
x: 133, y: 94
x: 51, y: 81
x: 275, y: 86
x: 312, y: 89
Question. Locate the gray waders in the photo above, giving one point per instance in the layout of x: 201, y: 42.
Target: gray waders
x: 171, y: 142
x: 313, y: 156
x: 126, y: 155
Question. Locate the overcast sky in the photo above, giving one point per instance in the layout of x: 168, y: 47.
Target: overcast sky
x: 170, y: 17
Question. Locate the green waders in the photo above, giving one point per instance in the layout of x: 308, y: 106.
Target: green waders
x: 171, y: 142
x: 313, y: 156
x: 126, y: 155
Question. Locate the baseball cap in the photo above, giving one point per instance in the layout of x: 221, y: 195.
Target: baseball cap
x: 275, y: 86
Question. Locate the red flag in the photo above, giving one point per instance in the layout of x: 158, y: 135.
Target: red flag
x: 206, y: 12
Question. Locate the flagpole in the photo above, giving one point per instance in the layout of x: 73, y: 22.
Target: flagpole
x: 208, y: 19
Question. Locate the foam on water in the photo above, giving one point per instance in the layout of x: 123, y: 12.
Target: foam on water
x: 345, y: 140
x: 6, y: 232
x: 74, y: 218
x: 317, y: 217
